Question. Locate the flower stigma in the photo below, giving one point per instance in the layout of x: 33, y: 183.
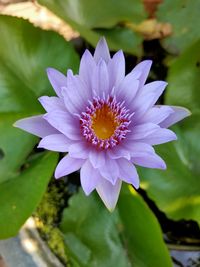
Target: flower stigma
x: 104, y: 122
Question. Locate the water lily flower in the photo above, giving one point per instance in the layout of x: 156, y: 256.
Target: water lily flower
x: 106, y: 121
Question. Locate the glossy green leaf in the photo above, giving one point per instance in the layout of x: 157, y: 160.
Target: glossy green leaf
x: 25, y: 53
x: 183, y: 15
x: 15, y: 145
x: 92, y: 19
x: 177, y: 189
x: 130, y: 236
x: 20, y: 195
x: 90, y: 233
x: 99, y: 14
x: 184, y: 80
x: 141, y: 232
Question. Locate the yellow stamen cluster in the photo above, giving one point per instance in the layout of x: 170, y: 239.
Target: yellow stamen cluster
x: 104, y: 122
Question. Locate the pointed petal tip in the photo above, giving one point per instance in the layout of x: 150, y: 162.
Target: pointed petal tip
x: 163, y: 83
x: 109, y: 193
x: 185, y: 111
x: 188, y: 112
x: 174, y: 137
x: 119, y: 53
x: 41, y: 99
x: 136, y: 185
x: 87, y: 193
x: 57, y: 175
x: 110, y: 209
x: 69, y: 73
x: 102, y: 50
x: 102, y: 40
x: 50, y: 71
x: 163, y: 165
x: 179, y: 113
x: 149, y: 61
x: 21, y: 124
x: 86, y: 54
x: 15, y: 124
x: 39, y: 145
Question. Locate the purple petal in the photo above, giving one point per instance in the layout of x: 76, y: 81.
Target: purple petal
x: 75, y: 94
x: 102, y: 51
x: 128, y: 84
x: 144, y: 155
x: 68, y: 165
x: 87, y: 65
x: 179, y: 114
x: 110, y: 170
x: 79, y: 150
x: 116, y: 69
x: 127, y: 89
x: 128, y: 172
x: 36, y: 125
x: 142, y: 69
x: 90, y: 177
x: 160, y: 136
x: 57, y: 80
x: 51, y: 103
x: 149, y: 161
x: 55, y: 142
x: 141, y: 131
x: 138, y: 148
x: 109, y: 193
x: 100, y: 82
x: 97, y: 158
x: 157, y: 114
x: 118, y: 152
x: 147, y: 97
x: 64, y: 123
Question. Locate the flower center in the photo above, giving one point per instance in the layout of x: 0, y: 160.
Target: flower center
x: 104, y: 122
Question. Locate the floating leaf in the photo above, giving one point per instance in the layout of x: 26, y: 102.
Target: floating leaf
x: 184, y: 80
x: 95, y: 18
x: 183, y: 15
x: 130, y: 236
x: 25, y: 53
x: 15, y: 146
x: 20, y: 196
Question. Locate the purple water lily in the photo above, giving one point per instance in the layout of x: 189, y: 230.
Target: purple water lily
x: 106, y: 121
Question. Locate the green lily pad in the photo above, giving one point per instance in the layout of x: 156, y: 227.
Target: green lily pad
x: 130, y: 236
x: 20, y: 196
x: 98, y: 14
x: 183, y: 15
x: 92, y: 19
x: 184, y: 80
x: 25, y: 53
x: 15, y: 146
